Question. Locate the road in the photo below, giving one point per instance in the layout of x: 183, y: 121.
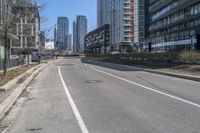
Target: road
x: 71, y: 96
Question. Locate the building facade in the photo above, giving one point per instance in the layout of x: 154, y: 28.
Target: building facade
x: 55, y: 34
x: 69, y: 43
x: 174, y: 25
x: 75, y: 49
x: 26, y: 28
x: 97, y: 41
x: 79, y: 33
x: 126, y: 20
x: 62, y: 33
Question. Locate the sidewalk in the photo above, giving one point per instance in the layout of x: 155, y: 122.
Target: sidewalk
x: 17, y: 85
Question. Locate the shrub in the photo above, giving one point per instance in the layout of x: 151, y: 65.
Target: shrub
x: 190, y: 57
x: 185, y: 57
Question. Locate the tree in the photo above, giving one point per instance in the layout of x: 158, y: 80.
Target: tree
x: 7, y: 23
x: 28, y: 15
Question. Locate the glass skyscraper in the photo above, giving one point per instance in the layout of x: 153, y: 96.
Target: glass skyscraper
x: 79, y: 33
x: 62, y: 33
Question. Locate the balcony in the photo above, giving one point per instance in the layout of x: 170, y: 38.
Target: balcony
x: 179, y: 6
x: 159, y: 4
x: 167, y: 25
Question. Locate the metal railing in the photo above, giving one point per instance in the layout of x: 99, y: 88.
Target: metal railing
x: 12, y: 63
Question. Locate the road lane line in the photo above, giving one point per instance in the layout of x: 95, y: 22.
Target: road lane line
x: 147, y: 88
x: 73, y: 105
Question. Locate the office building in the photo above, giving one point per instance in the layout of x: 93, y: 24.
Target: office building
x: 79, y: 33
x: 174, y: 25
x: 62, y: 33
x: 97, y: 41
x: 126, y: 20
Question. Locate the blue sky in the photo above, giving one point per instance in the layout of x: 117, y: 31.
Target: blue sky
x: 68, y: 8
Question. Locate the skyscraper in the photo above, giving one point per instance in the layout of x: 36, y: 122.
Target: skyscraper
x: 69, y: 42
x: 79, y: 33
x: 126, y: 20
x: 62, y: 32
x: 55, y: 35
x: 74, y: 37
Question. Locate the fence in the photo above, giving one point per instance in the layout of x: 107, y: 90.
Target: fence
x: 46, y: 57
x: 12, y: 63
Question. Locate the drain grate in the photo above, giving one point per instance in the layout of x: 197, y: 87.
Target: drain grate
x: 93, y: 81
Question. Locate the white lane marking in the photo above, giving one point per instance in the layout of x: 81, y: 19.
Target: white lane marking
x: 147, y: 88
x: 73, y: 105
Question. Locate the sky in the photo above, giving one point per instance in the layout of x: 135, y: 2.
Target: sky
x: 69, y: 8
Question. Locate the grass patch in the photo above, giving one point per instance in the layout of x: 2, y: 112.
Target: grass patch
x: 11, y: 74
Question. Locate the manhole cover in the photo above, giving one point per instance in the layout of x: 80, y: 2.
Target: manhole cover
x: 93, y: 81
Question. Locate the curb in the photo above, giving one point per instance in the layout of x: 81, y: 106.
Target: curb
x: 14, y: 81
x: 176, y: 75
x: 10, y: 100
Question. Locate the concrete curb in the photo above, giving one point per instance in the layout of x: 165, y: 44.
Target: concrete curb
x: 171, y: 74
x: 14, y: 81
x: 176, y: 75
x: 10, y: 100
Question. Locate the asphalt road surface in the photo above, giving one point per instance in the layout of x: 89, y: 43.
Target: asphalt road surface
x: 71, y: 96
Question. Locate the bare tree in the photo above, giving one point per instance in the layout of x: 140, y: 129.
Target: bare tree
x: 28, y: 13
x: 23, y: 15
x: 7, y: 23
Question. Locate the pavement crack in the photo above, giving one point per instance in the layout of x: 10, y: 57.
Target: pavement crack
x: 167, y: 91
x: 34, y: 129
x: 150, y: 82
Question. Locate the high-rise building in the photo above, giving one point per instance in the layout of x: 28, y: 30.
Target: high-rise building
x: 69, y: 42
x: 126, y: 20
x: 55, y: 35
x: 79, y: 33
x: 62, y: 32
x: 174, y: 25
x: 75, y: 49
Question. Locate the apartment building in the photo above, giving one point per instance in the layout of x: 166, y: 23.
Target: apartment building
x: 174, y: 25
x: 62, y: 33
x: 79, y: 33
x: 97, y: 41
x: 27, y: 26
x: 126, y: 20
